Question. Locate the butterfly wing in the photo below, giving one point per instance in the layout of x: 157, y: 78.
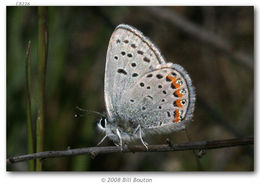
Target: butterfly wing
x: 162, y: 100
x: 129, y: 56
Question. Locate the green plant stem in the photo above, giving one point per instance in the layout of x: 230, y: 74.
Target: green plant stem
x: 28, y: 105
x: 39, y: 142
x: 42, y: 63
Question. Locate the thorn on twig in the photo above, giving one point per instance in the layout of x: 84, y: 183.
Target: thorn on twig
x: 10, y: 160
x: 42, y: 159
x: 201, y: 153
x: 131, y: 149
x: 93, y: 154
x: 168, y: 141
x: 94, y: 151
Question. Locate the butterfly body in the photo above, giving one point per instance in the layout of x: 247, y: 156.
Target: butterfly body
x: 143, y: 94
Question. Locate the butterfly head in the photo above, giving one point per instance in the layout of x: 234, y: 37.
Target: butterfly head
x: 104, y: 127
x: 101, y: 125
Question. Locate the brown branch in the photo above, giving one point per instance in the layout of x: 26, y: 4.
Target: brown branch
x: 94, y: 151
x: 202, y: 34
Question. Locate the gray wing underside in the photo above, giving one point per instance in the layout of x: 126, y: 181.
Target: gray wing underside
x: 130, y: 59
x: 129, y: 56
x: 152, y: 105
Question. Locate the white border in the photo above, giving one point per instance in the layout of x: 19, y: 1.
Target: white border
x: 134, y: 2
x: 19, y: 179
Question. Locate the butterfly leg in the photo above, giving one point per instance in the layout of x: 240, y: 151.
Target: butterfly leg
x: 137, y: 128
x: 140, y: 136
x: 102, y: 140
x: 121, y: 141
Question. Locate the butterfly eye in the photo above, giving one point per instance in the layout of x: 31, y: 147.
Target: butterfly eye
x: 102, y: 124
x: 183, y: 91
x: 179, y: 82
x: 183, y: 102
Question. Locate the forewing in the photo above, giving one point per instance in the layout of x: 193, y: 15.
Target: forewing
x: 129, y: 56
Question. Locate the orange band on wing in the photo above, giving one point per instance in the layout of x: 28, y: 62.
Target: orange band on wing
x: 178, y: 103
x: 174, y: 81
x: 176, y: 116
x: 177, y: 93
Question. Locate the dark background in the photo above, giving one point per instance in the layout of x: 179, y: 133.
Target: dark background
x: 78, y: 40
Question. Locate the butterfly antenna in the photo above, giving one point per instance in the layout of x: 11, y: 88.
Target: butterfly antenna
x: 91, y: 111
x: 78, y: 115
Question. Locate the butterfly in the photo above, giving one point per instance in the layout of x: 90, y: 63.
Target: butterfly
x: 144, y: 94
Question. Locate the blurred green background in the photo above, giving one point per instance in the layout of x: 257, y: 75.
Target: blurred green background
x: 78, y: 40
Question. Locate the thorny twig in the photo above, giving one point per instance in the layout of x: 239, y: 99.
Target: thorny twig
x: 94, y: 151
